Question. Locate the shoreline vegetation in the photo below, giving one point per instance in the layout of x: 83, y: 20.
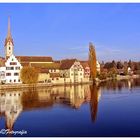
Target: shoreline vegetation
x: 39, y: 85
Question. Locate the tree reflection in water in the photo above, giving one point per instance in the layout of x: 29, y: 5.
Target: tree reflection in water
x: 12, y: 103
x: 95, y: 96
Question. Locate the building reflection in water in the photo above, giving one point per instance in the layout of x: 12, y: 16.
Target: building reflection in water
x: 12, y: 103
x: 10, y: 107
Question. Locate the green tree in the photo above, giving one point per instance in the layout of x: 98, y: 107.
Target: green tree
x: 92, y: 61
x: 29, y: 75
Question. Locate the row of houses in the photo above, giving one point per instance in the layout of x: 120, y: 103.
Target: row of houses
x: 56, y: 72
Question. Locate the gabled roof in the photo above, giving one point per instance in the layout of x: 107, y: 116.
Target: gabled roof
x: 67, y: 63
x: 34, y: 59
x: 84, y: 64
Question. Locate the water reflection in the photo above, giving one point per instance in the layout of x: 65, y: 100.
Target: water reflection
x: 12, y: 103
x: 95, y: 96
x: 119, y: 85
x: 71, y: 96
x: 10, y: 107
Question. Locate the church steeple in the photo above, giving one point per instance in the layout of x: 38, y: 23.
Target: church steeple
x: 9, y: 29
x: 9, y: 41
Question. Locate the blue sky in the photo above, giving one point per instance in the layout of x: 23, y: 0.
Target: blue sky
x: 65, y: 30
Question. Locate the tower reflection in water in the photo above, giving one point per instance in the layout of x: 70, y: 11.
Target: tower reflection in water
x: 12, y: 103
x: 10, y: 107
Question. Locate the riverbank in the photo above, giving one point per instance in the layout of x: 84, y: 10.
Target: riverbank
x: 38, y: 85
x: 119, y: 77
x: 41, y: 85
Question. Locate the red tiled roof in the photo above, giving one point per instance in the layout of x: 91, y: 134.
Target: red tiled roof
x: 67, y: 63
x: 34, y: 58
x: 84, y: 64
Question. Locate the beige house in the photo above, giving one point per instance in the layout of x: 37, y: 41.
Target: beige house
x: 72, y: 71
x: 48, y: 72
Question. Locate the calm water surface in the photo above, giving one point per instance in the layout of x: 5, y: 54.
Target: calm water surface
x: 109, y: 109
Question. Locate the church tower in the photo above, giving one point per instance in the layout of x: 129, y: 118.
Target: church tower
x: 9, y: 45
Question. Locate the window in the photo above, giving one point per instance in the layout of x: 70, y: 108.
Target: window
x: 8, y: 74
x: 17, y: 68
x: 9, y: 68
x: 80, y: 73
x: 72, y: 74
x: 13, y: 63
x: 9, y: 48
x: 18, y: 80
x: 10, y: 81
x: 14, y: 80
x: 16, y: 74
x: 57, y: 78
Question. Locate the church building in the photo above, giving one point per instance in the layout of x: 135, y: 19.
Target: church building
x: 50, y: 71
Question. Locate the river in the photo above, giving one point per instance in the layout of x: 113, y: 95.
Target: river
x: 109, y: 109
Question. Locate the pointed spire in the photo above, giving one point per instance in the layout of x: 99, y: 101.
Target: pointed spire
x: 9, y: 36
x: 9, y: 29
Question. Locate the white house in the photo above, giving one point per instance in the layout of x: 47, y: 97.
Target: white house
x: 72, y: 71
x: 12, y: 70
